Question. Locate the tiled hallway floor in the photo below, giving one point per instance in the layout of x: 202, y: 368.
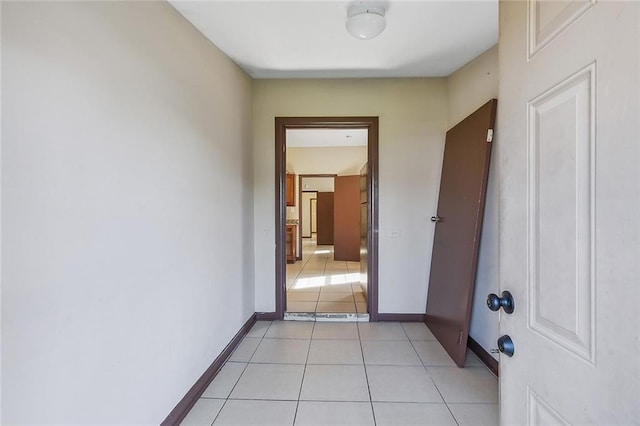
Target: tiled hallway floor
x: 314, y: 373
x: 318, y: 283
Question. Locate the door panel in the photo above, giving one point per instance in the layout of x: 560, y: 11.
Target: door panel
x: 561, y: 207
x: 324, y: 217
x: 346, y: 218
x: 465, y: 170
x: 569, y: 202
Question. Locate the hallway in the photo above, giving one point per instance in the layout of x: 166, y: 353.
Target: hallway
x: 319, y: 373
x: 320, y: 284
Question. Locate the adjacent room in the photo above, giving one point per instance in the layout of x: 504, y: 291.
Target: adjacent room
x: 324, y: 238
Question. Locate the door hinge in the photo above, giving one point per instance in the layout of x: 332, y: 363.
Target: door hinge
x: 490, y: 135
x: 460, y: 338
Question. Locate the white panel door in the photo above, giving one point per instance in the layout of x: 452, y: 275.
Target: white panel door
x: 569, y: 156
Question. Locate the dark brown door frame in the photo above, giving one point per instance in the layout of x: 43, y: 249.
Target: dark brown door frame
x: 310, y: 214
x: 300, y: 191
x: 281, y: 126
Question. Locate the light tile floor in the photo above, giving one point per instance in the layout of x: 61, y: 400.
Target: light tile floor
x: 315, y: 373
x: 320, y: 284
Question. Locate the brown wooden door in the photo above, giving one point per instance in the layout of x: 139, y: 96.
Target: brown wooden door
x: 346, y: 218
x: 463, y: 184
x: 324, y: 218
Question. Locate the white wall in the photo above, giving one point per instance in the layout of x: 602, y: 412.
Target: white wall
x: 469, y: 88
x: 126, y: 210
x: 413, y: 119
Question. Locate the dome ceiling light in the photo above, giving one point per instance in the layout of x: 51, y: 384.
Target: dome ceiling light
x: 365, y: 22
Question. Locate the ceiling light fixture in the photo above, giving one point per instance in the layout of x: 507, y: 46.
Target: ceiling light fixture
x: 365, y: 22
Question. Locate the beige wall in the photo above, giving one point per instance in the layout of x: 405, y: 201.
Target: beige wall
x: 472, y: 85
x: 469, y: 88
x: 413, y: 119
x: 347, y: 160
x: 127, y: 235
x: 323, y: 184
x: 316, y: 160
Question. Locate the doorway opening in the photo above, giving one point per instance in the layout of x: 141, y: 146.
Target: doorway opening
x: 325, y: 280
x: 291, y: 224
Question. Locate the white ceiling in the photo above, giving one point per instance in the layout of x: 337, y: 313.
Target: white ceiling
x: 307, y: 138
x: 307, y: 39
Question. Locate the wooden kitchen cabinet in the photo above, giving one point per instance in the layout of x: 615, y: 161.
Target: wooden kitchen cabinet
x: 291, y: 240
x: 290, y: 189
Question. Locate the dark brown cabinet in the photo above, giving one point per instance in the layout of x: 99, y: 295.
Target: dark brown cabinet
x: 290, y: 189
x: 291, y: 240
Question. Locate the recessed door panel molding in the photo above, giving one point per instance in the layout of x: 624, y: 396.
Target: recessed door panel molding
x: 541, y: 413
x: 547, y: 19
x: 561, y: 214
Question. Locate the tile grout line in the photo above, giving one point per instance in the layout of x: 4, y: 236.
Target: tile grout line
x: 366, y: 375
x: 243, y: 370
x: 262, y: 337
x: 429, y: 374
x: 304, y: 372
x: 345, y: 269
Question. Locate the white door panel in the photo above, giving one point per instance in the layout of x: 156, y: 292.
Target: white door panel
x: 561, y: 212
x: 569, y: 156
